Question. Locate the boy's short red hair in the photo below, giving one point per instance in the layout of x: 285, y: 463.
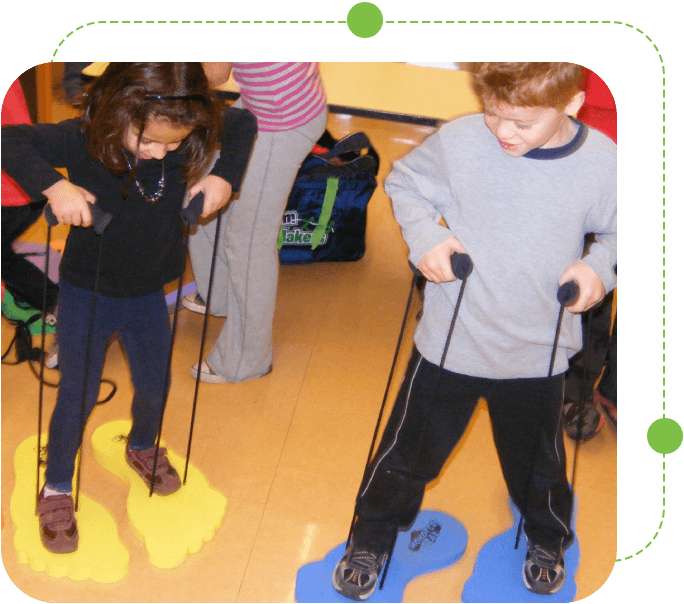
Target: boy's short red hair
x: 526, y: 84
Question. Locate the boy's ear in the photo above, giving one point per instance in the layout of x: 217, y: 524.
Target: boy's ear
x: 575, y: 103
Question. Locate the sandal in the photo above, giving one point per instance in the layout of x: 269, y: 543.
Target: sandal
x: 166, y: 479
x: 58, y: 529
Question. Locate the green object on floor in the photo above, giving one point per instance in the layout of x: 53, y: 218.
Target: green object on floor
x: 16, y: 311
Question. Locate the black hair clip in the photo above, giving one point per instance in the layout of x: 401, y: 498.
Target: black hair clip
x: 185, y: 97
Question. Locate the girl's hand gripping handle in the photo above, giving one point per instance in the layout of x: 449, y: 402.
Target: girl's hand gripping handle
x: 100, y: 218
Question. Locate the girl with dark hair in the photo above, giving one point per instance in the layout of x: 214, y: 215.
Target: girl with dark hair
x: 146, y: 136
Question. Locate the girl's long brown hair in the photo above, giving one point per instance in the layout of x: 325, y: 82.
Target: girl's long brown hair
x: 132, y: 93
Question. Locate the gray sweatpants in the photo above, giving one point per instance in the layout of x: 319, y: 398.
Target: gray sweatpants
x: 246, y: 273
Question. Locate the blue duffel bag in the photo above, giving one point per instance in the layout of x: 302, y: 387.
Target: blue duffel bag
x: 325, y: 217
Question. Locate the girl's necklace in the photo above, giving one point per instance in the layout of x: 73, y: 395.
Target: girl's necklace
x: 160, y: 185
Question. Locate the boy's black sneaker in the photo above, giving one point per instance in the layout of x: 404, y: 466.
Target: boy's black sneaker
x: 356, y: 575
x: 544, y: 569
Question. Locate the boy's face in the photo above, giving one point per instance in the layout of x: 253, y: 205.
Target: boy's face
x: 160, y: 136
x: 522, y: 129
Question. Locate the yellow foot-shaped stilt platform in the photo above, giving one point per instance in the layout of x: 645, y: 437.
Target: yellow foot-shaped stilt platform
x: 100, y: 554
x: 171, y: 526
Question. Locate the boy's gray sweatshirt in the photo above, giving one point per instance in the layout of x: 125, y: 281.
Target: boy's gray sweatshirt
x: 522, y: 220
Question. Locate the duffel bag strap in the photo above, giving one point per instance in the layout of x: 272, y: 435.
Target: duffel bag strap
x: 326, y: 211
x: 353, y: 143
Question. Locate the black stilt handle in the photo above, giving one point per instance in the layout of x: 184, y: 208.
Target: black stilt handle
x: 101, y: 219
x: 190, y: 215
x: 42, y: 362
x: 415, y: 271
x: 192, y: 212
x: 202, y: 340
x: 461, y: 266
x: 568, y: 293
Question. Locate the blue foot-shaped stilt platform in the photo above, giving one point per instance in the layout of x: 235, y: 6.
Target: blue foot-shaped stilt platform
x: 435, y: 541
x: 497, y: 576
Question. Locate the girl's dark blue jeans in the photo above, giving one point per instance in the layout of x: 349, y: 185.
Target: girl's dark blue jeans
x: 143, y: 328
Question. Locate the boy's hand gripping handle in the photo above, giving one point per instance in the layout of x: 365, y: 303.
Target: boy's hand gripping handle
x: 461, y: 266
x: 192, y: 212
x: 101, y: 219
x: 568, y: 293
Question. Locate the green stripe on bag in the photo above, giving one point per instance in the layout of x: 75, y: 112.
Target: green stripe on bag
x: 326, y: 212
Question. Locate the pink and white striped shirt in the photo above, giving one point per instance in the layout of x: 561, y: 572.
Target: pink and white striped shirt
x: 282, y: 96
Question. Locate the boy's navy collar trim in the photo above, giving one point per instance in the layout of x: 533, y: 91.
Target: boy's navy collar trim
x: 565, y: 150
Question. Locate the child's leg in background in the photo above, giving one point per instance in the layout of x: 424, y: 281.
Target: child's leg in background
x: 19, y: 274
x: 72, y: 330
x: 146, y: 338
x: 246, y: 274
x: 607, y: 387
x: 386, y: 496
x: 526, y: 419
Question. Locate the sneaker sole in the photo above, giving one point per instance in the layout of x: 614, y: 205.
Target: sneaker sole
x: 541, y: 593
x: 572, y: 432
x: 566, y: 547
x: 51, y: 359
x: 201, y: 309
x: 209, y: 378
x: 350, y: 597
x: 357, y: 597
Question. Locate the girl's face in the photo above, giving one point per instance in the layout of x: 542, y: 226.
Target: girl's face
x: 160, y: 137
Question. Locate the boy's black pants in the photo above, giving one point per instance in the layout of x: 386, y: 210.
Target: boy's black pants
x: 526, y: 422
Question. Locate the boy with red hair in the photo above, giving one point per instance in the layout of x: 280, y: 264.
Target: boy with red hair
x: 517, y: 188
